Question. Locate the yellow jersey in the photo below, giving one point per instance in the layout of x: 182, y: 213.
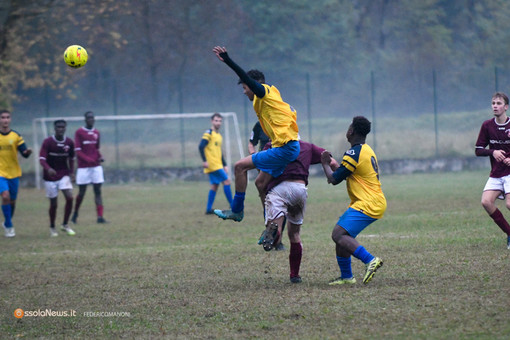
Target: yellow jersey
x: 9, y: 165
x: 359, y: 166
x: 277, y: 118
x: 213, y: 153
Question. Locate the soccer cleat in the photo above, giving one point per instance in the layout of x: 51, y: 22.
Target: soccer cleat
x: 101, y: 219
x: 74, y: 218
x: 270, y: 236
x: 508, y: 243
x: 229, y: 215
x: 372, y: 267
x: 296, y: 279
x: 209, y: 212
x: 262, y: 236
x: 342, y: 281
x: 68, y: 230
x: 9, y: 232
x: 53, y: 232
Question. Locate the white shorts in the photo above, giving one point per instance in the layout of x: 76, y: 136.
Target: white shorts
x: 52, y: 187
x: 498, y: 184
x: 288, y: 198
x: 92, y: 175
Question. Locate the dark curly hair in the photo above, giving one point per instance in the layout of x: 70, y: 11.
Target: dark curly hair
x: 255, y: 75
x: 361, y: 126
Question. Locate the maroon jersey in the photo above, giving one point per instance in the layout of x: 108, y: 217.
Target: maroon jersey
x: 58, y: 155
x: 87, y: 147
x: 497, y: 137
x: 298, y: 169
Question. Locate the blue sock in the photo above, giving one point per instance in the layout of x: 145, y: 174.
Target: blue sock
x: 210, y: 200
x: 238, y: 202
x: 228, y: 193
x: 362, y: 254
x: 345, y: 267
x: 6, y: 209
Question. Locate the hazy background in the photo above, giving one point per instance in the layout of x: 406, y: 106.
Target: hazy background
x: 428, y: 62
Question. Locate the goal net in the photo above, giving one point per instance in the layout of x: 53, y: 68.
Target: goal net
x: 168, y: 140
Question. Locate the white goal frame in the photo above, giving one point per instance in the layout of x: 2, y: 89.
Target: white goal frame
x: 39, y: 124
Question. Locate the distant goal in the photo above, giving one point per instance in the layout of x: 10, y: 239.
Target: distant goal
x: 149, y: 140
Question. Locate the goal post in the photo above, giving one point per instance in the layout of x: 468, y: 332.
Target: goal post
x: 149, y: 140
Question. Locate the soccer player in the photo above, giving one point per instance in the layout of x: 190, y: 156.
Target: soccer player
x: 277, y: 119
x: 360, y: 169
x: 257, y: 137
x: 495, y: 133
x: 10, y: 171
x: 57, y: 159
x: 286, y: 199
x: 87, y: 142
x: 214, y: 162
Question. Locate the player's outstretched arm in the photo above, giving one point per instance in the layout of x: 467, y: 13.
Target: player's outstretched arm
x: 255, y: 86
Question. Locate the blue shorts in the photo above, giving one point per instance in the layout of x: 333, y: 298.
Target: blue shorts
x: 10, y: 185
x: 218, y: 176
x: 354, y: 221
x: 273, y: 161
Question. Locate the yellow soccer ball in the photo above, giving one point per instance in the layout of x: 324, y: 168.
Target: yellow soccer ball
x: 76, y: 56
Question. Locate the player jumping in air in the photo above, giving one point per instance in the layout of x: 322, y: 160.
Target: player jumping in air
x: 360, y: 169
x: 214, y: 163
x: 10, y: 143
x: 277, y: 119
x: 87, y: 142
x: 495, y: 133
x: 57, y: 159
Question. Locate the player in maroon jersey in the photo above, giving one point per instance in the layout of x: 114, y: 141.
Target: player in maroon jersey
x: 495, y: 133
x: 286, y: 199
x: 90, y: 171
x: 57, y: 159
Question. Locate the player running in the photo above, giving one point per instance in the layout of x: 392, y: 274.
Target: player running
x: 87, y: 142
x: 360, y: 169
x: 57, y: 159
x: 10, y: 143
x: 495, y: 133
x: 278, y: 120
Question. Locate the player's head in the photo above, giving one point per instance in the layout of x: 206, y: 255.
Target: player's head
x: 89, y: 119
x: 501, y: 96
x: 359, y: 129
x: 216, y: 120
x: 255, y: 75
x: 5, y: 118
x: 60, y: 127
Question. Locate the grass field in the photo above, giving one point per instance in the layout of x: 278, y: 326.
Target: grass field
x: 168, y: 271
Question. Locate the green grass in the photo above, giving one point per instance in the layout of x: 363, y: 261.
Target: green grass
x: 181, y: 274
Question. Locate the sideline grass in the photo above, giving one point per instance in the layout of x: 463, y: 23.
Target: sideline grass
x: 181, y: 274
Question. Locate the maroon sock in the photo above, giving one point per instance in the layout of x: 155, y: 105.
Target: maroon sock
x: 78, y: 203
x: 99, y: 209
x: 295, y: 255
x: 498, y: 217
x: 67, y: 210
x: 53, y: 214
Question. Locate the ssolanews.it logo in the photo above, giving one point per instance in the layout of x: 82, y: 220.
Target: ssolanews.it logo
x: 20, y: 313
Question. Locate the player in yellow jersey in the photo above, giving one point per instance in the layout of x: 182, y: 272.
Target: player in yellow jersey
x: 10, y: 143
x: 360, y: 169
x: 278, y: 121
x: 214, y: 162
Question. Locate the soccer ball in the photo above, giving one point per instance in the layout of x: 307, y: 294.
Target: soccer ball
x: 76, y: 56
